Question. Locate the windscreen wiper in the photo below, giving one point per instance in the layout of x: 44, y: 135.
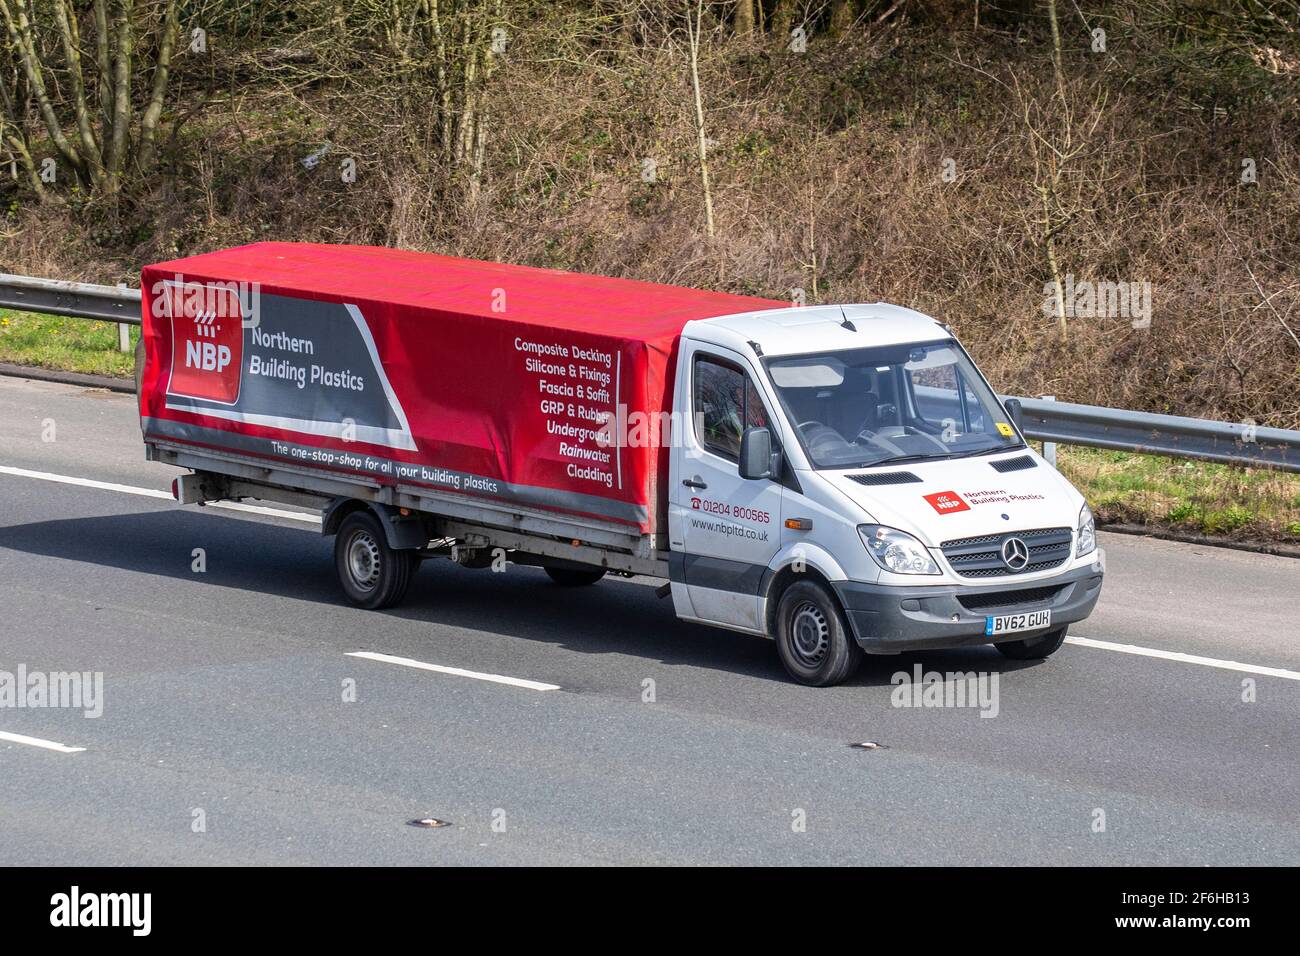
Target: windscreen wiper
x: 987, y: 451
x: 898, y: 459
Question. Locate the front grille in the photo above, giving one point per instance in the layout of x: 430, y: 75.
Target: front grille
x: 1014, y: 464
x: 981, y: 556
x: 884, y: 478
x: 1011, y: 599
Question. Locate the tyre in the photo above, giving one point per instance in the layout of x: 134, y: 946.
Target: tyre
x: 573, y: 578
x: 812, y: 637
x: 372, y: 574
x: 1033, y: 648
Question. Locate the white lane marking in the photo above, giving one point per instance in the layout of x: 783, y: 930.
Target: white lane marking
x: 1184, y: 658
x: 85, y: 482
x: 155, y: 493
x: 38, y: 742
x: 454, y: 671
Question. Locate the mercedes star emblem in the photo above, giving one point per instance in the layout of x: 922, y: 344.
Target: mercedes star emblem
x: 1015, y: 554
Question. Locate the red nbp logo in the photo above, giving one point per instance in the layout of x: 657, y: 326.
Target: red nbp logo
x: 207, y: 348
x: 946, y: 502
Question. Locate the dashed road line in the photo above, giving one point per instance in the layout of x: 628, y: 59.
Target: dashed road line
x: 454, y: 671
x: 38, y: 742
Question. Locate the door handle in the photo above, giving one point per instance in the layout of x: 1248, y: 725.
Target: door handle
x: 694, y: 483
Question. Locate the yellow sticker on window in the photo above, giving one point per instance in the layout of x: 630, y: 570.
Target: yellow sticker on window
x: 1004, y: 429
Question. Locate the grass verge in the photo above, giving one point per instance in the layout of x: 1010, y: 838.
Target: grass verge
x: 1191, y: 497
x: 70, y: 345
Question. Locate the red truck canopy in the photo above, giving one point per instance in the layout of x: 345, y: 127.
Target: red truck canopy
x: 419, y: 369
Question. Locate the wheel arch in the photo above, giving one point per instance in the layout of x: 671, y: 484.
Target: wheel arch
x: 401, y: 531
x: 777, y: 580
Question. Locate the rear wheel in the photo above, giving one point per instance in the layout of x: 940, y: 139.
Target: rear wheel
x: 372, y: 574
x: 812, y: 637
x: 574, y: 578
x: 1033, y: 648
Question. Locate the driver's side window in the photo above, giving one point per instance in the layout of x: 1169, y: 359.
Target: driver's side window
x: 725, y: 404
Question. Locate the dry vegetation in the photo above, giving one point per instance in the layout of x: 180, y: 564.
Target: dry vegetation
x: 826, y: 167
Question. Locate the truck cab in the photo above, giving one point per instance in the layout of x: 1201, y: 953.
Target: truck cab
x: 844, y: 480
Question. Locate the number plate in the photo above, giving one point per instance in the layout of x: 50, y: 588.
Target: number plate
x: 1010, y: 623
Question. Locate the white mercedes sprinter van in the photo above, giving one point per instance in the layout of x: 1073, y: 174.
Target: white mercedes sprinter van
x: 852, y: 482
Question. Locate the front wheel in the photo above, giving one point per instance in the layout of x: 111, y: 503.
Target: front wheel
x: 372, y: 574
x: 812, y: 638
x: 1033, y: 648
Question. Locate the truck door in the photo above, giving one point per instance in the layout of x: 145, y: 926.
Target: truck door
x: 725, y: 529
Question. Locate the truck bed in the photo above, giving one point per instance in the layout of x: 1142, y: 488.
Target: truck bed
x: 496, y: 383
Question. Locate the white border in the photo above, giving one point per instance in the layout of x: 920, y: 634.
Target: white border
x: 171, y: 368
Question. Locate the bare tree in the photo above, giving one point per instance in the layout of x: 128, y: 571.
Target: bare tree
x: 91, y: 121
x: 1059, y: 136
x: 693, y: 28
x: 451, y: 47
x: 14, y: 138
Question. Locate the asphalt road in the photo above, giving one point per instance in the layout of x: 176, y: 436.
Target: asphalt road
x: 226, y: 738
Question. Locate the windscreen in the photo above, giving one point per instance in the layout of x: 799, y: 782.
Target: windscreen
x: 865, y: 407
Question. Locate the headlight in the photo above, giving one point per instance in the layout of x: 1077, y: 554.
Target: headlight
x: 897, y: 551
x: 1087, y: 533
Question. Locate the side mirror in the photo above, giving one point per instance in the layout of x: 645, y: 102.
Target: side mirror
x: 1012, y: 405
x: 756, y: 453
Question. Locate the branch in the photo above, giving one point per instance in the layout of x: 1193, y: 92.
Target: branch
x: 149, y: 122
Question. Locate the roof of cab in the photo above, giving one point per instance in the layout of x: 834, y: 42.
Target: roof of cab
x: 792, y: 331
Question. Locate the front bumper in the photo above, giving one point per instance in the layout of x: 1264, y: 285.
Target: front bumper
x: 887, y: 619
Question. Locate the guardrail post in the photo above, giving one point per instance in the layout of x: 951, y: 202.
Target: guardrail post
x: 123, y: 331
x: 1049, y: 447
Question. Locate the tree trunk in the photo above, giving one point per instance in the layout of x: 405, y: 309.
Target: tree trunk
x: 1056, y: 49
x: 782, y: 21
x: 115, y: 160
x: 149, y: 122
x: 702, y: 140
x: 842, y: 15
x: 744, y: 17
x: 70, y: 39
x: 1049, y: 243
